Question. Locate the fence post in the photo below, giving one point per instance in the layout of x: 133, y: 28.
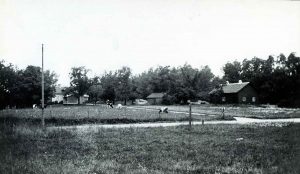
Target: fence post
x: 190, y: 116
x: 125, y: 112
x: 11, y: 162
x: 223, y: 113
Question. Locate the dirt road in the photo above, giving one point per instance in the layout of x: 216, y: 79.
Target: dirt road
x: 239, y: 120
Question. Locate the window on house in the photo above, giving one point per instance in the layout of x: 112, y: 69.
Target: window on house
x: 223, y: 99
x: 253, y: 99
x: 244, y: 99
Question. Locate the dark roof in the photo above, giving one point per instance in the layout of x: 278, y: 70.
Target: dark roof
x: 230, y: 88
x: 234, y: 87
x: 156, y: 95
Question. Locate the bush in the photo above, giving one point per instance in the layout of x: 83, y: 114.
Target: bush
x: 168, y: 100
x: 215, y: 96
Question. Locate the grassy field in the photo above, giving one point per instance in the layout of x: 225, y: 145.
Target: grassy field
x: 72, y: 115
x: 205, y: 149
x: 238, y: 111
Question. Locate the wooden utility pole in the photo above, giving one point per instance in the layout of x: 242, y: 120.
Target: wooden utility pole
x: 190, y: 116
x: 43, y: 119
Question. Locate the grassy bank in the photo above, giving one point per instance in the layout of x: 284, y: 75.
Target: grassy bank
x: 206, y: 149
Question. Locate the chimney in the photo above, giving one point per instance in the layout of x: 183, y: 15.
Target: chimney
x: 240, y: 81
x: 227, y: 82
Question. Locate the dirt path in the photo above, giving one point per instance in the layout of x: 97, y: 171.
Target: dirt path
x: 239, y: 120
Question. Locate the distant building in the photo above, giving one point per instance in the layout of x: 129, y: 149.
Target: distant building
x: 155, y: 98
x: 59, y: 94
x: 239, y: 93
x: 72, y: 100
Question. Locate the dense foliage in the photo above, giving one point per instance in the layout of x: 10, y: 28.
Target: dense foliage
x: 181, y: 84
x: 22, y: 88
x: 276, y: 79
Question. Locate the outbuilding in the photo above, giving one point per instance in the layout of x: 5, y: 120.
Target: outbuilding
x: 59, y: 94
x: 72, y: 100
x: 239, y: 93
x: 155, y: 98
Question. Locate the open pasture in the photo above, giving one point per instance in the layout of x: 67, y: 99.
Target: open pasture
x: 236, y: 111
x: 67, y: 115
x: 204, y: 149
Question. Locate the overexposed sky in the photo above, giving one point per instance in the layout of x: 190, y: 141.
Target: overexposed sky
x: 107, y: 34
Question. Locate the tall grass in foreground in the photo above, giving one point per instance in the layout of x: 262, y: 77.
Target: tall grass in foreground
x: 205, y: 149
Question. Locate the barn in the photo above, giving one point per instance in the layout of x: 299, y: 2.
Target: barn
x: 155, y: 98
x: 234, y: 93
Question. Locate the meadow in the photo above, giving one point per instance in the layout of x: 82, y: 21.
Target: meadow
x: 74, y: 115
x: 100, y: 114
x: 204, y: 149
x: 250, y: 111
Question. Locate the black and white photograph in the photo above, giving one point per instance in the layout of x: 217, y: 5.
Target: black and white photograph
x: 149, y: 86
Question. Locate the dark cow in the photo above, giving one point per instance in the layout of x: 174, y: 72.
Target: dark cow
x: 163, y: 109
x: 109, y: 104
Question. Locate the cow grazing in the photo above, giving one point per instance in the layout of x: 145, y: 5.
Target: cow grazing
x: 119, y: 106
x: 163, y: 109
x: 109, y: 104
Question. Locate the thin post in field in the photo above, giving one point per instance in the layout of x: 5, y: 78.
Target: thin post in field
x: 190, y: 116
x: 43, y: 119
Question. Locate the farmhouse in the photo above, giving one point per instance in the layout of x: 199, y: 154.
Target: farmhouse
x: 155, y: 98
x: 72, y: 100
x: 240, y: 93
x: 59, y: 95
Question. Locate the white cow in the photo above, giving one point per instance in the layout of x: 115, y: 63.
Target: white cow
x: 119, y: 106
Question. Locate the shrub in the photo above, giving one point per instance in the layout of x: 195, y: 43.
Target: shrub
x: 168, y: 100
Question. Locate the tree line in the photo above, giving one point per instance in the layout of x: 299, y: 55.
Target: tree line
x: 276, y: 79
x: 22, y: 87
x: 180, y: 84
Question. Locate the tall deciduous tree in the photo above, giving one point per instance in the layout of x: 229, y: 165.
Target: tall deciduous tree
x: 123, y: 84
x: 95, y: 91
x: 187, y: 88
x: 80, y: 83
x: 205, y: 82
x: 109, y: 82
x: 232, y: 71
x: 27, y: 89
x: 8, y: 79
